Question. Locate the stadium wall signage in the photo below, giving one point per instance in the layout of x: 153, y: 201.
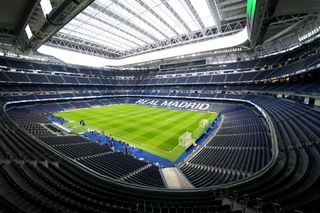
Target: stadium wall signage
x: 176, y: 104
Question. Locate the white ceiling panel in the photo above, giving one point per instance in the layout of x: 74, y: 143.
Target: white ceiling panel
x: 202, y: 9
x: 138, y: 25
x: 184, y: 12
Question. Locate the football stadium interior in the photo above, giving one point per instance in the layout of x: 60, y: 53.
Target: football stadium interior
x: 160, y: 106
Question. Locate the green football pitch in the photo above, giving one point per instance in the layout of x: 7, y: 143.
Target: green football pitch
x: 154, y: 130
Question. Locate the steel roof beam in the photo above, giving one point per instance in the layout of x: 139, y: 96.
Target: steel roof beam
x: 57, y: 18
x: 224, y: 3
x: 112, y: 41
x: 235, y: 7
x: 215, y: 13
x: 195, y: 14
x: 87, y: 35
x: 157, y: 16
x: 240, y: 16
x: 26, y: 15
x: 115, y: 27
x: 139, y: 17
x: 102, y: 21
x: 122, y: 20
x: 165, y: 3
x: 82, y: 45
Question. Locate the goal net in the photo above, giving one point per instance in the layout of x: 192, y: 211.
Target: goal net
x: 186, y: 139
x: 204, y: 123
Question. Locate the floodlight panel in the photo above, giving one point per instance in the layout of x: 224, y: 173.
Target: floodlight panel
x: 28, y: 31
x: 46, y: 6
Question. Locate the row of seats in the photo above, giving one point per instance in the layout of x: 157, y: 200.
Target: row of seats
x: 98, y: 157
x: 152, y: 78
x: 240, y: 148
x: 295, y: 171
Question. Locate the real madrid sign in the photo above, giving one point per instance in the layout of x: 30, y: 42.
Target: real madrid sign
x: 176, y: 104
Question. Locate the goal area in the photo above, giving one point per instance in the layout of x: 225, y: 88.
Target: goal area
x: 204, y: 123
x: 186, y: 139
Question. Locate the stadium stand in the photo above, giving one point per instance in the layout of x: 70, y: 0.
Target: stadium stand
x: 263, y: 156
x: 227, y: 161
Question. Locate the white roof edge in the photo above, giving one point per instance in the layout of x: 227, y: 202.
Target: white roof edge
x: 73, y: 57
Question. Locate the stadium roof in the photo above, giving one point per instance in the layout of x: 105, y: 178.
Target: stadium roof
x: 130, y: 27
x: 123, y: 33
x: 128, y: 30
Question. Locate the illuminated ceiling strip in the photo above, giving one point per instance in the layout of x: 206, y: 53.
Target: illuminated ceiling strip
x: 157, y: 16
x: 215, y: 13
x: 176, y: 15
x: 195, y: 14
x: 138, y: 16
x: 72, y: 57
x: 122, y: 20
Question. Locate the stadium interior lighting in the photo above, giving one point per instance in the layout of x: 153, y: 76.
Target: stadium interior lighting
x: 73, y: 57
x: 28, y: 31
x: 310, y: 34
x: 46, y: 7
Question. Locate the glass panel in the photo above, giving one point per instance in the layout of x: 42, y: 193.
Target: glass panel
x: 140, y: 10
x: 203, y: 11
x: 170, y: 18
x: 184, y: 12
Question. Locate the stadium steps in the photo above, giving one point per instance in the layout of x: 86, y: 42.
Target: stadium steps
x: 70, y: 144
x: 93, y: 156
x: 135, y: 172
x: 175, y: 179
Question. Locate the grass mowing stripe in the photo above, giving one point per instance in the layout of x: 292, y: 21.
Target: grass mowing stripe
x: 177, y: 124
x: 155, y: 130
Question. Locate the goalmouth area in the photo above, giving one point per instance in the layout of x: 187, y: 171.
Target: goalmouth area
x: 154, y: 130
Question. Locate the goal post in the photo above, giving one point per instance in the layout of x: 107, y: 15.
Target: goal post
x: 186, y: 139
x: 204, y: 123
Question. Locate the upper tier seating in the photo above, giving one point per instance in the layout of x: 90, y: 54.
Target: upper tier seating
x: 243, y: 71
x: 53, y: 175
